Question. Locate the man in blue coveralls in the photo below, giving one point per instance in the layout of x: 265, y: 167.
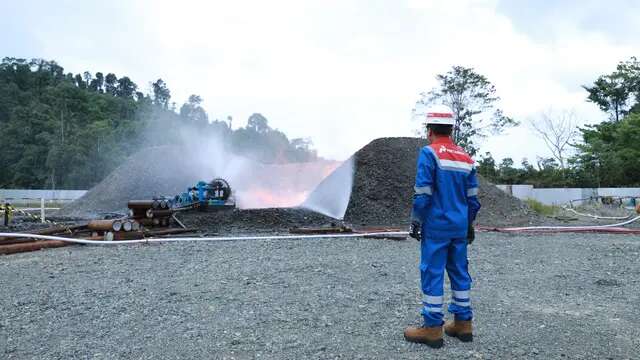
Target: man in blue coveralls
x: 444, y: 207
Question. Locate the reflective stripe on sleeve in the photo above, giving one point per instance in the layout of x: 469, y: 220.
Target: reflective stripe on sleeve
x: 420, y: 190
x: 472, y: 192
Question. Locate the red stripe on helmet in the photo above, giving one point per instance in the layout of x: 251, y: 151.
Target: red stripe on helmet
x: 440, y: 115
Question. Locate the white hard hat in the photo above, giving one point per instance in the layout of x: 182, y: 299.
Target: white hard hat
x: 440, y: 115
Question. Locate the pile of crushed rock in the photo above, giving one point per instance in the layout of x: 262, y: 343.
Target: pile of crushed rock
x: 382, y: 190
x: 169, y: 170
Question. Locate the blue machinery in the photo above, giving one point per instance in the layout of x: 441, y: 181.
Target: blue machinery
x: 207, y: 196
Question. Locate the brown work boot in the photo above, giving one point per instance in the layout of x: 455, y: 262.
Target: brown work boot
x: 432, y: 336
x: 463, y: 330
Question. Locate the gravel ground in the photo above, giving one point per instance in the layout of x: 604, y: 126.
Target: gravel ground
x: 556, y: 296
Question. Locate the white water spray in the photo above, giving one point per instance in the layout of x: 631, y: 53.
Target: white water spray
x: 332, y: 196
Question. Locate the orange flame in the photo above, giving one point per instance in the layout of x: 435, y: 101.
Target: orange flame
x: 288, y: 185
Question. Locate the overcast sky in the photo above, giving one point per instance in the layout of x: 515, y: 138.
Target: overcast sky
x: 341, y: 72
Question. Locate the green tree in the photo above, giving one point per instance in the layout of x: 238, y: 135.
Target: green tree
x: 487, y: 167
x: 617, y: 92
x: 193, y: 111
x: 610, y: 152
x: 80, y: 82
x: 111, y: 84
x: 473, y: 99
x: 258, y: 123
x: 161, y: 94
x: 97, y: 83
x: 126, y: 88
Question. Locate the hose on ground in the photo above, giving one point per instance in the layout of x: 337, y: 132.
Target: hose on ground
x: 533, y: 228
x: 597, y: 216
x: 220, y: 239
x: 614, y: 228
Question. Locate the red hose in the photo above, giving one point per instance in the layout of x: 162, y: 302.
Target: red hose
x: 585, y: 229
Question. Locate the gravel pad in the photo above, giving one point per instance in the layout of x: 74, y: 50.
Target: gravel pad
x: 556, y: 296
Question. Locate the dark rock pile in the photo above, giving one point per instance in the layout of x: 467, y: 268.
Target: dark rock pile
x: 254, y: 221
x: 151, y: 172
x: 383, y: 183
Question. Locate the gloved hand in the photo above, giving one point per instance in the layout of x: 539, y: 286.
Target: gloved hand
x: 471, y: 234
x: 415, y: 230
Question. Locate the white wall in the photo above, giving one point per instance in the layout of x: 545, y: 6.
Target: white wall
x: 561, y: 196
x: 20, y: 195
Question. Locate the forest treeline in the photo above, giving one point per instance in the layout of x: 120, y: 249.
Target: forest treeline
x: 62, y: 130
x: 68, y: 131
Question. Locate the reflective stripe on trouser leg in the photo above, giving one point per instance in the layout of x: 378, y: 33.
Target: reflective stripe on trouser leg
x: 458, y: 270
x: 433, y: 257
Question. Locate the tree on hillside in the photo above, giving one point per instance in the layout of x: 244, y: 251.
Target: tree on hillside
x: 97, y: 83
x: 87, y: 78
x: 110, y: 84
x: 193, y: 111
x: 126, y: 88
x: 558, y: 130
x: 58, y: 131
x: 80, y: 82
x: 161, y: 94
x: 617, y: 92
x: 258, y: 123
x: 473, y: 99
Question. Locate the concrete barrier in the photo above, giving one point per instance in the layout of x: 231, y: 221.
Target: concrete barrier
x: 25, y: 195
x: 562, y: 196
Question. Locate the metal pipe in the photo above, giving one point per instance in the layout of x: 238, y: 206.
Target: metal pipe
x: 152, y: 213
x: 178, y: 221
x: 52, y: 231
x: 31, y: 246
x: 105, y: 225
x: 140, y: 204
x: 117, y: 225
x: 127, y: 226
